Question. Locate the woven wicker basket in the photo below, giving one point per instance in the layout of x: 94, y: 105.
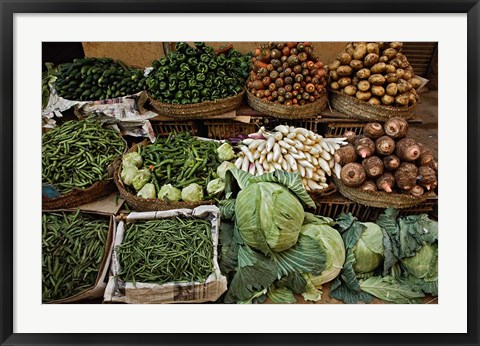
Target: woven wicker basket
x: 358, y: 109
x: 148, y: 204
x: 309, y: 110
x: 198, y: 110
x: 379, y: 199
x: 78, y: 197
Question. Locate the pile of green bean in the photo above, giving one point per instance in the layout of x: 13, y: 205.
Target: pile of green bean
x: 166, y: 250
x: 181, y: 160
x: 73, y: 245
x: 77, y: 154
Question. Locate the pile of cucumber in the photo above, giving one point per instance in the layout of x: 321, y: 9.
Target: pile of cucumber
x: 92, y: 79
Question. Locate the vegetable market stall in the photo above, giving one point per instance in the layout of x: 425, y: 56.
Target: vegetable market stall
x: 283, y: 235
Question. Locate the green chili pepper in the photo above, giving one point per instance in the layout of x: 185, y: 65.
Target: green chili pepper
x: 212, y: 65
x: 184, y: 67
x: 181, y: 75
x: 182, y: 85
x: 179, y: 95
x: 200, y: 77
x: 162, y: 86
x: 192, y: 83
x: 181, y: 46
x: 191, y: 51
x: 204, y: 58
x: 181, y: 57
x: 192, y: 61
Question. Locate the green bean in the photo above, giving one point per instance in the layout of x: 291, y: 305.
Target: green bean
x: 73, y: 246
x: 166, y: 250
x: 77, y: 154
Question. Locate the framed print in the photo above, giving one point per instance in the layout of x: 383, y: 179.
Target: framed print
x: 275, y: 172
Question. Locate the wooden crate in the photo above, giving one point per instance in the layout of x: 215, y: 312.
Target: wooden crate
x: 164, y: 128
x: 338, y: 129
x: 420, y: 56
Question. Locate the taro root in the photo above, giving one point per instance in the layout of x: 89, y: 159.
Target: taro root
x: 396, y: 128
x: 426, y: 157
x: 368, y: 185
x: 353, y: 174
x: 350, y: 136
x: 364, y: 146
x: 373, y: 166
x: 391, y: 162
x: 345, y: 154
x: 408, y: 150
x: 406, y: 175
x: 386, y: 182
x: 385, y: 145
x: 416, y: 191
x: 373, y: 130
x: 427, y: 177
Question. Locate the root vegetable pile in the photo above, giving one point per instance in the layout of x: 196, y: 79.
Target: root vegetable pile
x: 377, y: 73
x: 287, y: 73
x: 292, y: 149
x: 393, y: 163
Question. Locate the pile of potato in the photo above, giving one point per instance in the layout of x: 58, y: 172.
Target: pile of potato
x: 375, y: 72
x: 385, y: 159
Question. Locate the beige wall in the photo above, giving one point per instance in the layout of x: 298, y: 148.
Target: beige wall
x: 142, y: 54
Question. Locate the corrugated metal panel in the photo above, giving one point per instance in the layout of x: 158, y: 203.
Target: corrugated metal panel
x: 419, y: 55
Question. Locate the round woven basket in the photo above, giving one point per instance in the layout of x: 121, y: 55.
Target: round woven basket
x: 287, y: 112
x: 198, y: 110
x: 78, y: 197
x: 379, y: 199
x: 148, y: 204
x: 358, y: 109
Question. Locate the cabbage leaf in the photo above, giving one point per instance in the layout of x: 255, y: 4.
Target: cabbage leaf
x: 387, y: 289
x: 281, y: 295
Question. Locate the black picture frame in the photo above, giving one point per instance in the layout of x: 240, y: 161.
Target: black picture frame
x: 10, y: 7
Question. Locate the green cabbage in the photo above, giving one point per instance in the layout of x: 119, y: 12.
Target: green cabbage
x: 223, y: 168
x: 143, y: 176
x: 369, y: 249
x: 128, y: 173
x: 225, y: 152
x: 269, y: 216
x: 320, y: 229
x: 424, y: 263
x: 133, y: 159
x: 147, y: 191
x: 169, y: 193
x: 215, y: 186
x: 192, y: 193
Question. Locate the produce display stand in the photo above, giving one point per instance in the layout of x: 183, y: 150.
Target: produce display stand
x: 241, y: 115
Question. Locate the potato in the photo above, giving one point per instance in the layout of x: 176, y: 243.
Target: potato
x: 383, y: 58
x: 390, y: 68
x: 360, y: 51
x: 344, y: 58
x: 356, y: 64
x: 400, y: 72
x: 392, y: 89
x: 372, y: 47
x: 390, y: 53
x: 356, y: 44
x: 364, y: 73
x: 334, y: 75
x: 355, y: 81
x: 363, y: 85
x: 397, y: 63
x: 334, y: 86
x: 334, y: 65
x: 349, y: 48
x: 407, y: 75
x: 371, y: 59
x: 402, y: 100
x: 344, y: 81
x: 387, y: 99
x: 396, y: 45
x: 403, y: 86
x: 350, y: 90
x: 415, y: 83
x: 364, y: 96
x: 344, y: 71
x: 377, y: 79
x: 374, y: 101
x: 377, y: 90
x: 411, y: 99
x: 391, y: 78
x: 382, y: 46
x: 378, y: 67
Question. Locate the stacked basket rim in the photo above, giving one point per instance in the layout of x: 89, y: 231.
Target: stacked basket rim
x: 379, y: 199
x: 200, y: 110
x: 308, y: 110
x: 358, y: 109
